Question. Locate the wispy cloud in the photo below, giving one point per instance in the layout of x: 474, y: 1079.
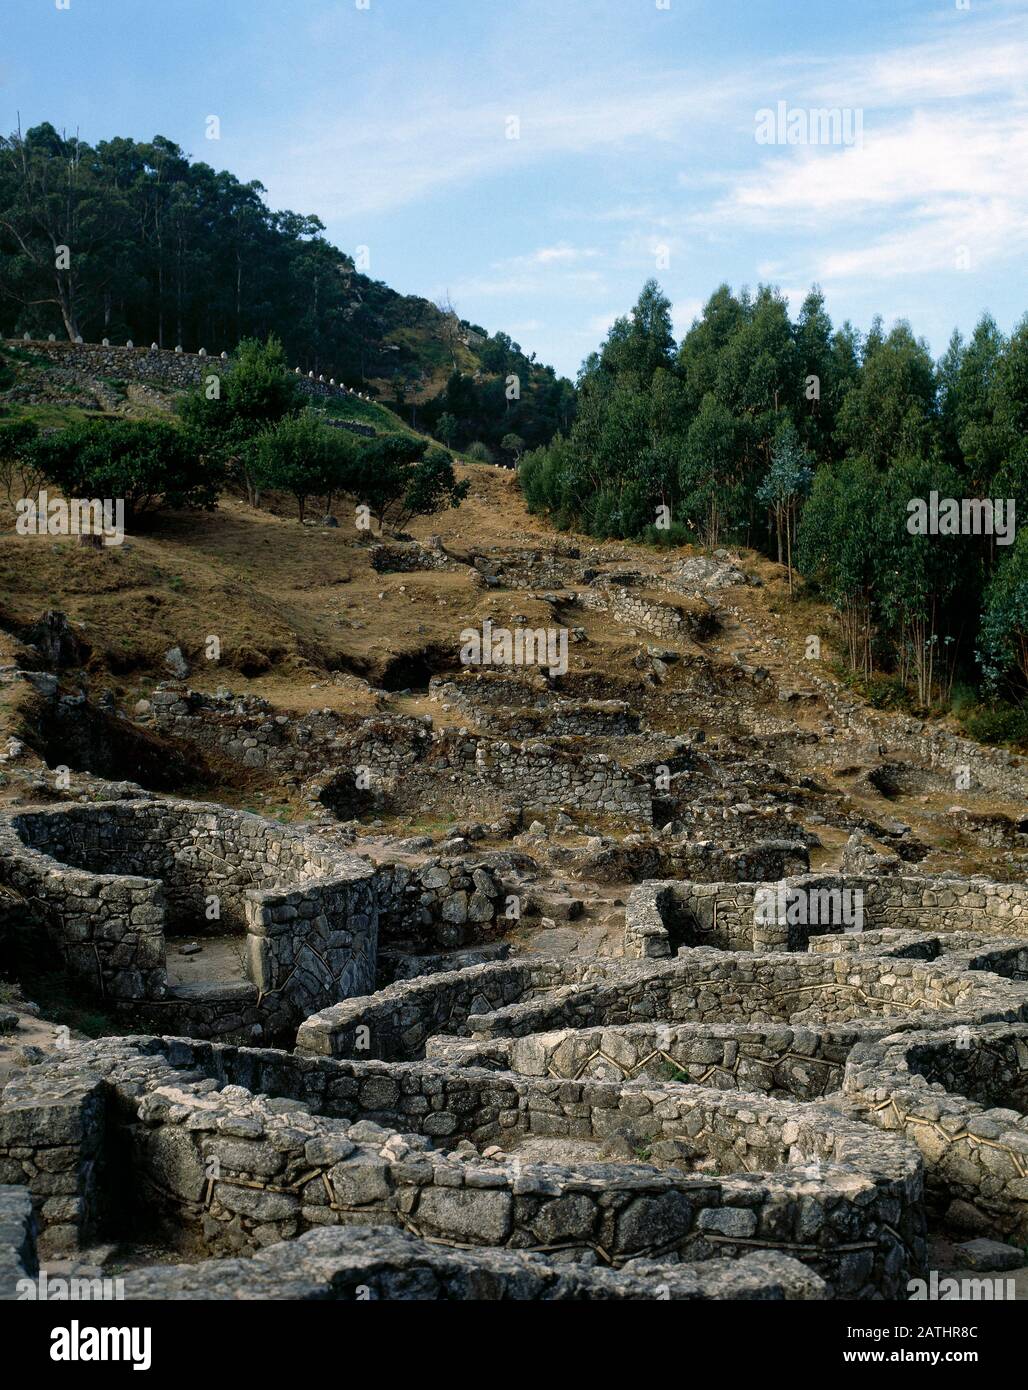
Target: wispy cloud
x: 429, y: 143
x: 941, y: 176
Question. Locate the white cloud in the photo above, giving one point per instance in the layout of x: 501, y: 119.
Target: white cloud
x: 943, y: 166
x: 427, y: 142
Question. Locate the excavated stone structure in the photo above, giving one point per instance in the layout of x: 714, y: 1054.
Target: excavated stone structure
x: 108, y: 883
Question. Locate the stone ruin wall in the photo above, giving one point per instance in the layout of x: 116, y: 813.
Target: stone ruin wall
x: 666, y: 620
x: 160, y: 367
x: 280, y: 1170
x: 107, y: 881
x: 704, y: 985
x: 405, y: 758
x: 725, y: 913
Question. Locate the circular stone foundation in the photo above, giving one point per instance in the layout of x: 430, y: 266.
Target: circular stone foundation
x: 108, y: 884
x: 222, y: 1154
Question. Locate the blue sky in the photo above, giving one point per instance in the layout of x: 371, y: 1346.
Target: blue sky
x: 636, y: 152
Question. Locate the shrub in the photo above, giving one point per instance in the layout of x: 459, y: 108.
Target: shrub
x: 398, y: 480
x: 997, y: 724
x: 146, y: 463
x: 674, y: 535
x: 251, y: 396
x: 1003, y: 648
x: 302, y: 456
x: 17, y: 442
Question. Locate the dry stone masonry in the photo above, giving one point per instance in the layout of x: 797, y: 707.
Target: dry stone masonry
x: 108, y: 883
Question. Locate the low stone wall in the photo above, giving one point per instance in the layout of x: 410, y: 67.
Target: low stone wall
x: 725, y: 913
x: 52, y: 1131
x: 516, y: 998
x: 667, y: 620
x: 992, y: 768
x: 444, y: 902
x: 962, y: 1096
x: 106, y: 882
x: 637, y: 858
x: 343, y: 1264
x: 804, y: 1063
x: 961, y: 950
x: 355, y: 1263
x: 225, y: 1170
x: 518, y: 710
x: 245, y: 729
x: 17, y: 1240
x: 161, y: 367
x: 394, y: 1023
x: 409, y: 558
x: 406, y: 762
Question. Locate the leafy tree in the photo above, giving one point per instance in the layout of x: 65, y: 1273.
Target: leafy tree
x: 447, y: 429
x: 58, y: 218
x: 394, y: 476
x: 841, y: 547
x: 17, y: 456
x: 710, y: 472
x: 892, y: 407
x: 148, y: 464
x: 301, y: 455
x: 787, y: 482
x: 432, y: 487
x: 1003, y: 645
x: 920, y: 574
x: 513, y: 444
x: 232, y: 408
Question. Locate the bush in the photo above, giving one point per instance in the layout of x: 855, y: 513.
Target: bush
x: 676, y: 534
x: 1003, y: 645
x: 145, y: 463
x: 251, y: 396
x: 17, y: 443
x: 398, y: 480
x: 302, y: 456
x: 479, y: 452
x: 997, y: 724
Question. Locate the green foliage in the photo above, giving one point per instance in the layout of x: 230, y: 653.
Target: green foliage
x: 785, y: 485
x: 514, y: 445
x: 840, y: 547
x: 233, y: 407
x: 668, y: 537
x: 479, y: 452
x: 148, y: 464
x: 17, y: 446
x: 891, y: 407
x: 173, y: 251
x: 997, y: 724
x: 399, y: 480
x: 795, y: 436
x: 513, y: 394
x: 447, y: 428
x: 301, y: 455
x: 432, y: 487
x: 1003, y: 645
x: 710, y: 472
